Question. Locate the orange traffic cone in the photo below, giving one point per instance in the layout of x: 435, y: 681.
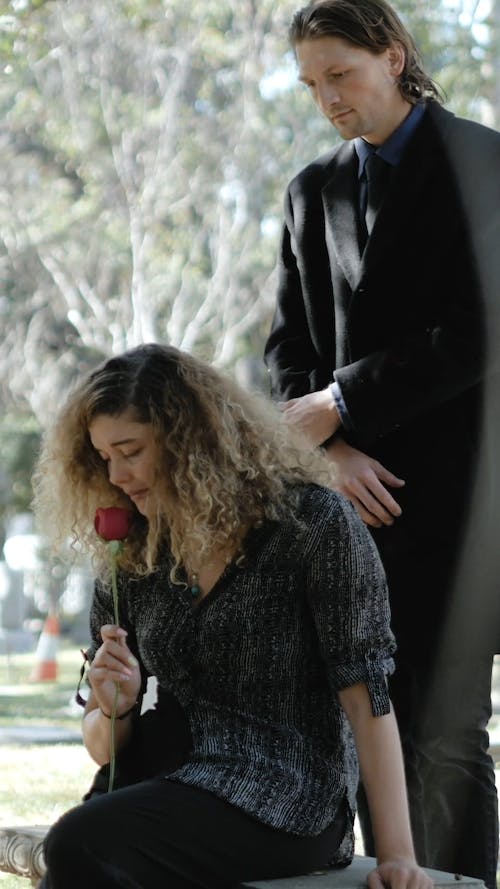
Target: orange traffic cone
x: 45, y: 668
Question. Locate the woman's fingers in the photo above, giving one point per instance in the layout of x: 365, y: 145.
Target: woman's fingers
x: 113, y: 660
x: 112, y: 632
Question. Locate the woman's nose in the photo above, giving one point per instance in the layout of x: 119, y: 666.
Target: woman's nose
x: 118, y: 470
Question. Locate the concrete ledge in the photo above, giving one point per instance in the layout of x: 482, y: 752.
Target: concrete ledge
x: 21, y: 853
x: 354, y: 877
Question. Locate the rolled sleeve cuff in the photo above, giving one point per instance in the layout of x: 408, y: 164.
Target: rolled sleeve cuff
x: 373, y: 671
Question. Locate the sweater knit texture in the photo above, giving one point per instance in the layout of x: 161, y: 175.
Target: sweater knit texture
x: 257, y: 664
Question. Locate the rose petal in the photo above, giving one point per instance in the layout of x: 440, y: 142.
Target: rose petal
x: 113, y: 522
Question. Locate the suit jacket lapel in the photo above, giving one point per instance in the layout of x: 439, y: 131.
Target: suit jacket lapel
x: 402, y: 200
x: 340, y: 197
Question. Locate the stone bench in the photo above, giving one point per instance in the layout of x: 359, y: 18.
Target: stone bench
x: 354, y: 877
x: 21, y: 853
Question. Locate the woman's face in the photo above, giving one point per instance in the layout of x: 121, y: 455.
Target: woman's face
x: 129, y: 451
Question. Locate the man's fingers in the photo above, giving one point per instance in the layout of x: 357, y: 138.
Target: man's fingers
x: 375, y: 499
x: 363, y: 481
x: 387, y: 477
x: 385, y: 499
x: 368, y: 517
x: 375, y: 481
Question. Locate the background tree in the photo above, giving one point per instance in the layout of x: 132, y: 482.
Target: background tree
x: 145, y: 148
x: 142, y: 163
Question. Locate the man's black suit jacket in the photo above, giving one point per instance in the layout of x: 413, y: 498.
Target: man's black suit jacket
x: 403, y: 329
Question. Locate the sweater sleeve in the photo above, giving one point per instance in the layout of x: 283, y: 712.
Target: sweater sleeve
x: 349, y: 603
x: 101, y: 612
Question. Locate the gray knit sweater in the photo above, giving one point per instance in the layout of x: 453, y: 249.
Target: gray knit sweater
x: 257, y: 664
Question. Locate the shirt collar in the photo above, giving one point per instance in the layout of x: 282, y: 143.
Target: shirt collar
x: 392, y: 149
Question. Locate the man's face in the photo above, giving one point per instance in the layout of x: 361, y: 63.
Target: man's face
x: 354, y: 88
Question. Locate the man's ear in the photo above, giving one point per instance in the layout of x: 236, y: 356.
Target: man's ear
x: 397, y: 58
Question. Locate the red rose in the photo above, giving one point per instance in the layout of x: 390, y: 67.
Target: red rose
x: 113, y: 523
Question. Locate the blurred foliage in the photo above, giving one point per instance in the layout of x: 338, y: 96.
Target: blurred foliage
x: 19, y: 443
x: 145, y: 147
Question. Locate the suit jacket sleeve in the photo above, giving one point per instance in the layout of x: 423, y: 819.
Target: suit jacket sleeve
x: 414, y: 327
x: 290, y: 355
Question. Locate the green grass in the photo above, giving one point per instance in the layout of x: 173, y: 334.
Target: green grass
x: 9, y: 882
x: 39, y: 782
x: 45, y: 703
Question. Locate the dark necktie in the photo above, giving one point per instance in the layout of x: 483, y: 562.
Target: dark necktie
x: 377, y: 174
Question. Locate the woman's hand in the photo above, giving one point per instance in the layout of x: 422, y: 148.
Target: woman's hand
x: 114, y: 663
x: 399, y: 875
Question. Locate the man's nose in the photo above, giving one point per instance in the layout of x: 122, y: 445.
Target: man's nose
x: 327, y: 96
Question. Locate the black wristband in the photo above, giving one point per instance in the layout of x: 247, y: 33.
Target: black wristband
x: 123, y: 715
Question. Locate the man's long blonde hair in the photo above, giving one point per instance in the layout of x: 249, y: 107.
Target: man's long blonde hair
x: 226, y: 459
x: 372, y: 25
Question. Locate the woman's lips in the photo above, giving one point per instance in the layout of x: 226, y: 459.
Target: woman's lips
x: 137, y: 495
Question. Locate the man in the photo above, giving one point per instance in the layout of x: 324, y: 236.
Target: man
x: 378, y: 351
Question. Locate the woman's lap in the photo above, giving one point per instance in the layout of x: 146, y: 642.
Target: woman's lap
x: 163, y: 833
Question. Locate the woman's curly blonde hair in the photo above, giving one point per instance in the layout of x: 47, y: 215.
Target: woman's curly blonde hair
x: 226, y: 460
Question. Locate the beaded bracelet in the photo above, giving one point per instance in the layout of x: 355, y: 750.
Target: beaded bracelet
x: 127, y: 712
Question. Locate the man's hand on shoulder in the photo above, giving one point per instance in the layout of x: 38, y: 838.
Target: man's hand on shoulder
x: 364, y: 482
x: 314, y: 414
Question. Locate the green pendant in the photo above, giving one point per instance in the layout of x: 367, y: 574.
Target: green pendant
x: 194, y: 588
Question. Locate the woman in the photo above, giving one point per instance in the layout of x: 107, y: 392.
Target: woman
x: 256, y: 598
